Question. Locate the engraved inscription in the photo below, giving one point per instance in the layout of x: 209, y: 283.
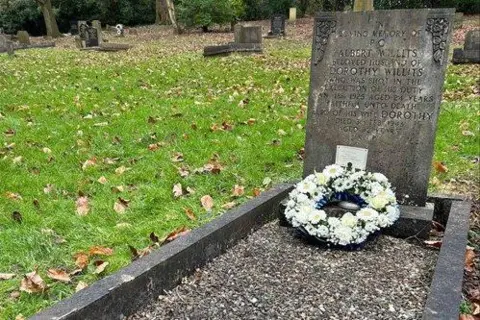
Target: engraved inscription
x: 323, y: 30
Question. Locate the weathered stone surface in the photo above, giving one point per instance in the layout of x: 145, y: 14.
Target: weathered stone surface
x: 471, y: 49
x: 23, y: 37
x: 292, y: 14
x: 216, y: 50
x: 237, y: 32
x: 82, y: 29
x: 92, y: 36
x: 250, y: 34
x: 73, y: 28
x: 458, y: 20
x: 98, y: 25
x: 245, y: 47
x: 277, y: 25
x: 376, y: 84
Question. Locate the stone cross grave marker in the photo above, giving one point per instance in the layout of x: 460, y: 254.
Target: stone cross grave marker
x: 277, y: 25
x: 375, y: 90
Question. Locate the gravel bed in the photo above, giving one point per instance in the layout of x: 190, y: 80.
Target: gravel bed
x: 272, y: 275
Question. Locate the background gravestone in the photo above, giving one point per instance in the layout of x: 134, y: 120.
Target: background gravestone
x: 292, y: 14
x: 471, y: 49
x: 98, y: 25
x: 251, y: 34
x: 91, y: 39
x: 82, y: 29
x: 73, y: 28
x: 23, y: 37
x: 375, y: 91
x: 277, y: 25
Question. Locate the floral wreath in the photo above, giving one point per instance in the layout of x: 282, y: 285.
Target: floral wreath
x: 371, y: 193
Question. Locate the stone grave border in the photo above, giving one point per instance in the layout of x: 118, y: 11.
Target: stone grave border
x: 124, y: 292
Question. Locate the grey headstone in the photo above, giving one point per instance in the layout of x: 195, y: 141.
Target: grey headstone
x: 471, y: 49
x: 23, y: 37
x: 376, y: 84
x: 91, y: 39
x: 237, y: 32
x: 252, y: 34
x: 458, y: 20
x: 73, y: 28
x: 98, y: 25
x: 277, y: 25
x: 82, y: 29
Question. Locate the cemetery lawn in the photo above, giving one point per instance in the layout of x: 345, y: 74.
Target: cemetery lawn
x: 69, y: 118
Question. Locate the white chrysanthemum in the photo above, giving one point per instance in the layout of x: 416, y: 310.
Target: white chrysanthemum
x: 343, y: 234
x: 357, y: 175
x: 349, y: 220
x: 316, y: 216
x: 304, y: 213
x: 310, y: 229
x: 320, y: 178
x: 333, y: 222
x: 370, y: 227
x: 383, y: 221
x: 367, y: 214
x: 291, y: 203
x: 306, y: 186
x: 339, y: 185
x: 289, y: 213
x: 348, y: 184
x: 302, y: 198
x: 380, y: 177
x: 322, y: 231
x: 378, y: 202
x: 294, y: 193
x: 333, y: 171
x: 376, y: 188
x: 392, y: 213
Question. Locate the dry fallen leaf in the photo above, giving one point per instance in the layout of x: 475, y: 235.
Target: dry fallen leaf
x: 82, y: 206
x: 7, y: 276
x: 177, y: 157
x: 207, y: 202
x: 469, y: 260
x: 183, y: 171
x: 59, y: 275
x: 177, y: 190
x: 102, y: 180
x: 238, y: 190
x: 48, y: 188
x: 99, y: 250
x: 81, y: 260
x: 121, y: 170
x: 33, y: 283
x: 121, y: 205
x: 440, y: 167
x: 100, y: 266
x: 468, y: 133
x: 229, y: 205
x: 180, y: 231
x: 256, y: 192
x: 17, y: 216
x: 190, y: 214
x: 81, y: 285
x: 13, y: 195
x: 89, y: 163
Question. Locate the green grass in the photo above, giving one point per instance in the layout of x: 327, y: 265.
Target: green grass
x: 82, y: 105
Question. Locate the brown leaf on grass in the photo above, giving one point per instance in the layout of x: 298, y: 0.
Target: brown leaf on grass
x: 301, y: 154
x: 183, y: 171
x: 46, y: 150
x: 466, y: 317
x: 99, y: 250
x: 33, y: 283
x: 177, y: 157
x: 15, y: 294
x: 17, y: 216
x: 177, y: 190
x: 9, y: 132
x: 36, y: 203
x: 102, y: 180
x: 17, y: 159
x: 440, y: 167
x: 13, y: 195
x: 468, y: 133
x: 433, y: 243
x: 207, y: 202
x: 154, y: 238
x: 48, y: 188
x: 139, y: 253
x: 121, y: 205
x: 190, y: 214
x: 59, y: 275
x: 75, y: 272
x: 81, y: 259
x: 475, y: 308
x: 229, y: 205
x: 256, y: 192
x: 121, y: 170
x: 118, y: 189
x: 251, y: 121
x: 180, y: 231
x: 89, y: 163
x: 238, y: 191
x: 81, y: 285
x: 82, y: 206
x: 100, y: 266
x: 469, y: 260
x: 227, y: 126
x: 7, y: 276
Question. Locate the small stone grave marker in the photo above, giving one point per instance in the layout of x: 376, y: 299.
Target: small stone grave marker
x: 73, y: 28
x: 98, y: 25
x: 471, y: 49
x: 277, y: 25
x: 23, y: 37
x: 292, y: 14
x: 91, y: 39
x: 250, y: 34
x: 375, y: 91
x: 82, y: 29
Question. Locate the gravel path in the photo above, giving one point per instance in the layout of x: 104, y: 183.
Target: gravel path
x: 271, y: 275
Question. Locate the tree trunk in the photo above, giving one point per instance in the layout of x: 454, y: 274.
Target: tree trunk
x: 171, y: 15
x: 161, y: 15
x: 49, y: 17
x: 363, y: 5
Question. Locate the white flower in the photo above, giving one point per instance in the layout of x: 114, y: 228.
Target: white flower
x: 343, y: 234
x: 349, y: 220
x: 376, y: 188
x: 294, y: 193
x: 333, y: 171
x: 291, y: 203
x: 321, y: 178
x: 357, y: 175
x: 322, y: 231
x: 367, y: 214
x: 316, y: 216
x: 370, y: 227
x: 380, y: 177
x: 383, y: 221
x: 378, y: 202
x: 333, y: 222
x: 302, y: 198
x: 303, y: 213
x: 393, y: 213
x: 306, y: 186
x: 310, y: 229
x: 348, y: 184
